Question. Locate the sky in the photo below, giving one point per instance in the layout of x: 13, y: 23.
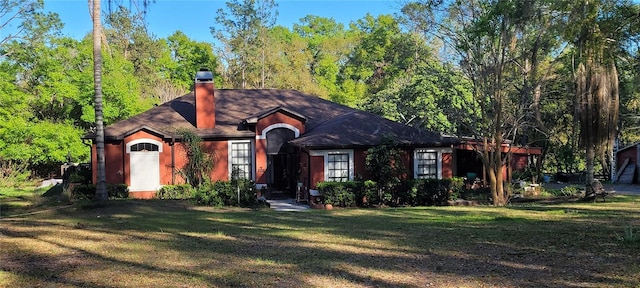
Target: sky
x: 195, y: 17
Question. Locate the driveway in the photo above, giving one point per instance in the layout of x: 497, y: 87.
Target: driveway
x: 624, y: 189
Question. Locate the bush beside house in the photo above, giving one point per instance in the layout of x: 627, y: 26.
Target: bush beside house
x: 418, y: 192
x: 219, y: 193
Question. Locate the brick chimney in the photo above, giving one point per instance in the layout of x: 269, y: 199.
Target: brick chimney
x: 205, y: 100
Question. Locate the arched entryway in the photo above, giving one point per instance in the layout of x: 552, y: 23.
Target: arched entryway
x: 281, y: 160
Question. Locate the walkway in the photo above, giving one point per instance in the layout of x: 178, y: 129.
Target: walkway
x: 287, y: 205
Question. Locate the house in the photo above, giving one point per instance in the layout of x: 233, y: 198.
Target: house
x: 468, y: 164
x: 279, y: 138
x: 627, y: 159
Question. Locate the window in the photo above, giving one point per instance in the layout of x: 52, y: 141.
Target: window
x: 143, y: 147
x: 426, y: 164
x: 241, y: 157
x: 338, y: 164
x: 338, y: 167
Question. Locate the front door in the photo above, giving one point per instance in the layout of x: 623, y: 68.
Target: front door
x: 145, y: 170
x: 281, y: 160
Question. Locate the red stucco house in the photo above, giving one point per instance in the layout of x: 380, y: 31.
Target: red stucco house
x: 278, y: 138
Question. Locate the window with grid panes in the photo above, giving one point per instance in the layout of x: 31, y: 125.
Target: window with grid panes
x: 427, y: 164
x: 143, y: 147
x: 338, y: 167
x: 241, y: 160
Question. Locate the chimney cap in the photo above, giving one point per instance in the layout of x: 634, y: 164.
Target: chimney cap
x: 204, y: 75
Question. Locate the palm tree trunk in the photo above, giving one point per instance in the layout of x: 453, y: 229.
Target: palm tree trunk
x: 101, y: 189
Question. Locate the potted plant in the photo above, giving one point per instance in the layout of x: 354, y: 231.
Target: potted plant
x: 328, y: 203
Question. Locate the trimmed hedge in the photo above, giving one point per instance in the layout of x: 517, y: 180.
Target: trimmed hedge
x: 415, y: 192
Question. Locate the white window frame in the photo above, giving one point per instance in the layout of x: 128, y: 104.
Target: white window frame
x: 295, y: 130
x: 325, y: 156
x: 438, y: 151
x: 252, y: 157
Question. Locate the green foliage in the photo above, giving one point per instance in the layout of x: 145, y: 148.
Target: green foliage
x: 630, y: 236
x: 88, y: 191
x: 342, y: 194
x: 13, y: 174
x: 418, y: 192
x: 226, y: 193
x: 480, y: 194
x: 434, y: 192
x: 386, y: 165
x: 208, y: 194
x: 186, y: 57
x: 241, y: 28
x: 175, y: 192
x: 197, y: 169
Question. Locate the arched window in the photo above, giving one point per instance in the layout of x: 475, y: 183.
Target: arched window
x: 143, y: 147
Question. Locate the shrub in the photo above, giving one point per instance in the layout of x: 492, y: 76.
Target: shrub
x: 88, y: 191
x: 208, y: 194
x: 436, y: 192
x: 13, y: 174
x: 370, y: 193
x: 570, y: 190
x: 228, y: 192
x: 341, y: 194
x: 118, y: 191
x: 175, y: 192
x: 480, y: 194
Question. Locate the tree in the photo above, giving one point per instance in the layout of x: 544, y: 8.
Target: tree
x: 598, y: 30
x: 101, y: 185
x: 499, y: 46
x: 187, y: 56
x: 329, y: 45
x: 384, y: 162
x: 94, y: 8
x: 242, y: 30
x: 127, y: 34
x: 31, y: 24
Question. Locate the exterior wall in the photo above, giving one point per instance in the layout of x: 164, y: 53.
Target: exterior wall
x: 630, y: 153
x: 261, y: 161
x: 360, y: 164
x: 221, y: 168
x: 304, y: 175
x: 114, y: 163
x: 221, y: 163
x: 317, y: 171
x: 447, y: 165
x: 276, y: 118
x: 519, y: 162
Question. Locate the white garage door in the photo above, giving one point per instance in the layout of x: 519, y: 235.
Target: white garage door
x: 144, y: 166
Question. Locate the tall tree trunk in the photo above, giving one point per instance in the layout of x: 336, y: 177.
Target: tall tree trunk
x: 101, y: 189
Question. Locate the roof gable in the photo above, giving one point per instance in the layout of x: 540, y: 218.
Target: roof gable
x: 253, y: 119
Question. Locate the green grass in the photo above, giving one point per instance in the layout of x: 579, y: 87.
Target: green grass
x: 30, y: 199
x: 130, y: 243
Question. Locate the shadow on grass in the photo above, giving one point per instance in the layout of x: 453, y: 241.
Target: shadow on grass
x: 373, y: 247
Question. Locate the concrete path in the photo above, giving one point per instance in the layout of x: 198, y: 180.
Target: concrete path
x: 287, y: 205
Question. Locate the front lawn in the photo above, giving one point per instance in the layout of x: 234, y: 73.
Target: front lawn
x: 154, y: 243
